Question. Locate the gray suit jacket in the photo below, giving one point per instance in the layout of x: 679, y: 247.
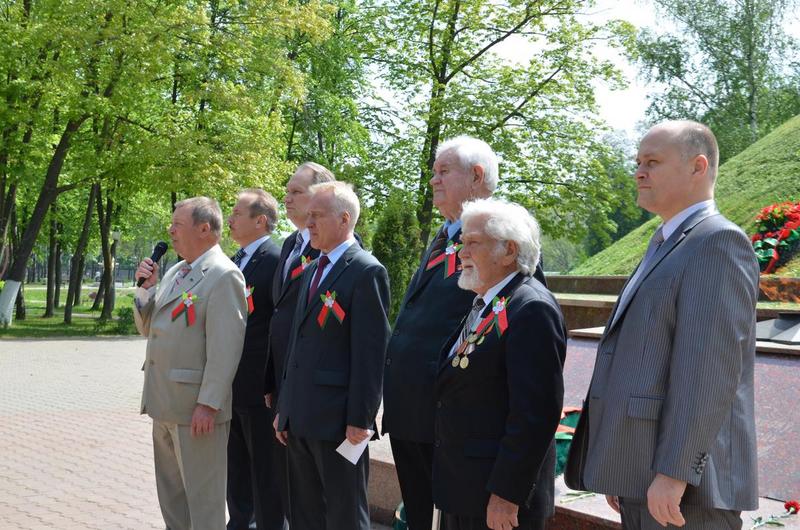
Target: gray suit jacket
x: 672, y: 390
x: 187, y: 365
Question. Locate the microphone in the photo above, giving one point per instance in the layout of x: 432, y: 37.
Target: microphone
x: 158, y: 251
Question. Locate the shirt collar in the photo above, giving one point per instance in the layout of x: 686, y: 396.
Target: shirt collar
x: 337, y: 253
x: 252, y: 247
x: 452, y: 227
x: 201, y: 257
x: 670, y: 226
x: 306, y: 237
x: 495, y: 290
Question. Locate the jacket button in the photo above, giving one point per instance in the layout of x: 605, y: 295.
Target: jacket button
x: 152, y: 361
x: 438, y: 404
x: 437, y: 443
x: 389, y: 361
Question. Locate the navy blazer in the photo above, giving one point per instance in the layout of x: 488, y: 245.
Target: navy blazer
x: 333, y: 374
x: 496, y: 418
x: 248, y: 385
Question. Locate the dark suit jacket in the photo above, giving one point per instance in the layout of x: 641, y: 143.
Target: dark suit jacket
x: 248, y: 385
x: 333, y: 375
x: 496, y: 419
x: 432, y: 308
x: 284, y: 296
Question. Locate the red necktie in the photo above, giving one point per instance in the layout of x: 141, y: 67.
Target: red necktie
x: 321, y: 264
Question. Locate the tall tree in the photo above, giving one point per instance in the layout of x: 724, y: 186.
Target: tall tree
x: 726, y: 65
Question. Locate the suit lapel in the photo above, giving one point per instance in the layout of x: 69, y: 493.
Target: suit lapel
x: 255, y: 258
x: 325, y: 285
x: 309, y: 252
x: 423, y: 276
x: 664, y: 250
x: 188, y: 283
x: 277, y: 280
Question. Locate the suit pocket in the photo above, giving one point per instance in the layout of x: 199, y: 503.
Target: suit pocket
x: 330, y: 378
x: 645, y: 407
x: 481, y: 448
x: 186, y: 375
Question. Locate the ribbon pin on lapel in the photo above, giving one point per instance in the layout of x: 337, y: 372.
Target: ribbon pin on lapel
x: 329, y: 305
x: 305, y: 261
x: 497, y: 319
x: 186, y: 306
x: 448, y: 257
x: 248, y: 292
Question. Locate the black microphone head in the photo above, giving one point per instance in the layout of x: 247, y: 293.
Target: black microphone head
x: 159, y: 250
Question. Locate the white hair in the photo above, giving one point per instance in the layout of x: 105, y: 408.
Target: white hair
x: 473, y: 152
x: 344, y: 198
x: 507, y: 221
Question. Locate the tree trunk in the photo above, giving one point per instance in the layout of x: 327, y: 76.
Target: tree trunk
x: 76, y: 263
x: 57, y: 294
x: 51, y: 265
x: 107, y: 283
x: 47, y: 194
x: 20, y: 304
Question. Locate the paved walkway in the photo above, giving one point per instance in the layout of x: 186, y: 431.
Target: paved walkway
x: 74, y: 451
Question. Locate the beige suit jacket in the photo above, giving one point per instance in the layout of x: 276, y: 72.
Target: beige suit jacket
x: 191, y: 364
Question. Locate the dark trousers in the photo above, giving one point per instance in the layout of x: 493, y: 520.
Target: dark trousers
x: 458, y: 522
x: 414, y: 463
x: 255, y: 473
x: 635, y: 516
x: 326, y: 491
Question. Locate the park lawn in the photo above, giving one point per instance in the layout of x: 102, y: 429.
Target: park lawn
x: 767, y: 172
x: 85, y: 323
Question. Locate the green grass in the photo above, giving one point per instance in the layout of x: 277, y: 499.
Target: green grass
x: 765, y: 173
x: 85, y: 323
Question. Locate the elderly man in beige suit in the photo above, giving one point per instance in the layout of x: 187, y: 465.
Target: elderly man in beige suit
x: 194, y: 324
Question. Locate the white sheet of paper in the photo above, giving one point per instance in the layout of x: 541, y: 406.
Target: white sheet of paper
x: 353, y: 452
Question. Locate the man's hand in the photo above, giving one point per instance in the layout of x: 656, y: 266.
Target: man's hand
x: 501, y: 514
x: 149, y: 271
x: 268, y: 400
x: 203, y: 420
x: 613, y: 501
x: 664, y: 499
x: 356, y: 435
x: 282, y: 436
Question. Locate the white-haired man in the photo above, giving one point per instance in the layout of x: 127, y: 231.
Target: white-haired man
x: 195, y: 327
x: 465, y: 168
x: 333, y: 373
x: 499, y: 386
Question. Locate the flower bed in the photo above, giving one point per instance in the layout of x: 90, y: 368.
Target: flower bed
x: 777, y: 238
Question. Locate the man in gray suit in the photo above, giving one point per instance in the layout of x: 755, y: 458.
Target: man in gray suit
x: 667, y: 430
x: 195, y: 325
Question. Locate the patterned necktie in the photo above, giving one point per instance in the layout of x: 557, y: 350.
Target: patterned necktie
x: 296, y: 251
x: 438, y: 246
x: 321, y: 264
x: 239, y: 256
x: 652, y: 248
x: 469, y: 323
x: 184, y: 270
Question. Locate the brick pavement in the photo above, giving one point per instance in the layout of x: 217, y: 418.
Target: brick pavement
x: 74, y: 451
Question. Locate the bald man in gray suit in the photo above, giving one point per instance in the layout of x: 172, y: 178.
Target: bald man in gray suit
x: 667, y: 430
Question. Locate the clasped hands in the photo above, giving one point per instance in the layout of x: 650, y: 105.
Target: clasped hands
x: 663, y: 500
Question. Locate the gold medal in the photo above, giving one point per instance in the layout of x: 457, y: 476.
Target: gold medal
x: 455, y: 361
x: 464, y: 362
x: 480, y: 341
x: 472, y: 338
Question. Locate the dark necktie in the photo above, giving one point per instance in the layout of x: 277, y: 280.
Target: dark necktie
x: 438, y: 246
x: 296, y: 249
x: 469, y: 323
x: 652, y: 248
x: 322, y: 262
x: 237, y: 258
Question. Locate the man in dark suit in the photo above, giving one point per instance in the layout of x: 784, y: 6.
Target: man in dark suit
x: 333, y: 375
x: 253, y: 475
x: 668, y: 430
x: 499, y: 387
x: 465, y: 168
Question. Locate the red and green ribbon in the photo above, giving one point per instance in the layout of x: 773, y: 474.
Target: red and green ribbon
x: 329, y: 305
x: 497, y: 319
x: 186, y: 306
x: 305, y: 261
x: 248, y: 292
x: 448, y: 257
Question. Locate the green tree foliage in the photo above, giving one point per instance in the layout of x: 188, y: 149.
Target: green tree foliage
x: 729, y: 64
x: 394, y: 245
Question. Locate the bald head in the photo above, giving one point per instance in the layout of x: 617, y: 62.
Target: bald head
x: 693, y: 139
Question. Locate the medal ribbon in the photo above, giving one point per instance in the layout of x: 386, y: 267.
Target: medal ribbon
x: 448, y: 257
x: 329, y: 305
x: 305, y: 261
x: 186, y: 305
x: 497, y: 318
x: 248, y: 292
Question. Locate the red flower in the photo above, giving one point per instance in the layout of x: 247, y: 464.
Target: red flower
x: 792, y: 506
x: 785, y: 233
x: 756, y: 237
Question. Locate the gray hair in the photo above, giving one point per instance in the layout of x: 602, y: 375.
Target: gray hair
x: 507, y: 221
x: 344, y: 198
x: 204, y: 210
x: 319, y: 173
x: 262, y: 204
x: 473, y: 152
x: 694, y: 139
